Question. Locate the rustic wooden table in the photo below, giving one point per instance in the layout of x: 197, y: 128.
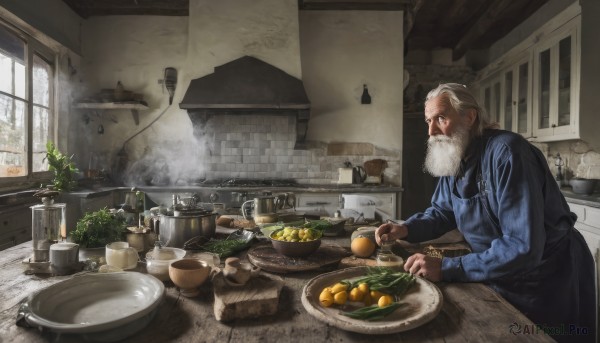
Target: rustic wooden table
x: 470, y: 313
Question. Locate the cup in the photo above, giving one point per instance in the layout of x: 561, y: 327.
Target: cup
x: 121, y: 255
x: 64, y: 258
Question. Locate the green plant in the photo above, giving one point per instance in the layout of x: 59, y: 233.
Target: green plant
x: 62, y: 166
x: 96, y: 229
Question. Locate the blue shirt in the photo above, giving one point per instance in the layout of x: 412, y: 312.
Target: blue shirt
x: 522, y: 217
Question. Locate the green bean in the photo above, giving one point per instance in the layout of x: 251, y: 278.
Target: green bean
x: 374, y: 312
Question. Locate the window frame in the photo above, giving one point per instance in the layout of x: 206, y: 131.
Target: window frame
x: 33, y: 47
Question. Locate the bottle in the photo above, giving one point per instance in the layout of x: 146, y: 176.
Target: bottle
x: 386, y: 258
x: 365, y: 99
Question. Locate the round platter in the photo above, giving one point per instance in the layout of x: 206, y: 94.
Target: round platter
x: 105, y: 306
x: 422, y: 303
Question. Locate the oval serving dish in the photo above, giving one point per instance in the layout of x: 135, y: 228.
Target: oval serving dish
x: 101, y: 307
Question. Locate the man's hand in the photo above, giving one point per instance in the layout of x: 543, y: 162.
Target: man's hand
x: 389, y: 232
x: 425, y: 266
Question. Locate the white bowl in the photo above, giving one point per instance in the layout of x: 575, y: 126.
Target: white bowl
x: 103, y: 306
x: 157, y: 263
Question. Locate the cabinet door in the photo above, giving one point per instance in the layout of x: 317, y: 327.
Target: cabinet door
x: 555, y: 104
x: 492, y: 94
x: 516, y: 105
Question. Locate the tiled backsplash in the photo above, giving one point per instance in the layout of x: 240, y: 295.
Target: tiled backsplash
x: 262, y: 146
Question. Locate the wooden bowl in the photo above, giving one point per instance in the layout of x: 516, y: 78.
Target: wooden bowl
x: 296, y: 249
x: 188, y: 275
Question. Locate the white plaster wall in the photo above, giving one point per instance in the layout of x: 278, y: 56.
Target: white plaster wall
x: 341, y: 51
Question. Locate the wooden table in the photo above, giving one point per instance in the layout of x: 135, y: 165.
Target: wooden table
x: 471, y: 313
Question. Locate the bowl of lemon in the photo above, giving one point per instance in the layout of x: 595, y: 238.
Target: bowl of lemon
x: 296, y: 242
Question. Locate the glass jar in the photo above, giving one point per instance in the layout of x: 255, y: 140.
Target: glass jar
x: 386, y: 258
x: 48, y: 227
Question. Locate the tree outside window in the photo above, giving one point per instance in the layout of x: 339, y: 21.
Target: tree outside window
x: 26, y: 104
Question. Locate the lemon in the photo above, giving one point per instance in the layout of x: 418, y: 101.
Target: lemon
x: 385, y: 300
x: 367, y: 300
x: 356, y: 294
x: 340, y: 298
x: 362, y: 247
x: 326, y: 298
x: 364, y: 288
x: 339, y: 287
x: 375, y: 295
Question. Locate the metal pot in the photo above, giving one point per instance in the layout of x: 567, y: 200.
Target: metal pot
x: 260, y: 205
x: 175, y: 231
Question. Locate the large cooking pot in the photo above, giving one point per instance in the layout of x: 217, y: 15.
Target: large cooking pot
x: 175, y: 231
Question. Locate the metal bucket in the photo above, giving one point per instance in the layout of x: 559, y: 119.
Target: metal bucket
x: 175, y: 231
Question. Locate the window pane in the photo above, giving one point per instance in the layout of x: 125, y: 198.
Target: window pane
x: 523, y: 100
x: 20, y: 80
x: 544, y: 96
x: 40, y: 137
x: 13, y: 157
x: 508, y: 113
x: 12, y: 53
x: 42, y: 72
x: 564, y: 82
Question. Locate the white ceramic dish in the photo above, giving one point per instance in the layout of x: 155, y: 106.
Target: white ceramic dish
x: 422, y: 303
x: 104, y: 306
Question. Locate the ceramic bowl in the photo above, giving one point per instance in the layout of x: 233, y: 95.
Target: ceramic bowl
x: 296, y: 249
x: 583, y: 186
x: 157, y: 261
x: 188, y: 275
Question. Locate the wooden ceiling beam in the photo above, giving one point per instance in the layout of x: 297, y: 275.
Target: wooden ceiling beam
x: 484, y: 23
x: 364, y: 5
x: 409, y: 15
x: 87, y: 8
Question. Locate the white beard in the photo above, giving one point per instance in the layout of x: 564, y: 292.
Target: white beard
x: 445, y: 153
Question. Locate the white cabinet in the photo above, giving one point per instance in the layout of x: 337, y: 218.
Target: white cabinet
x: 556, y: 85
x: 324, y: 204
x: 506, y: 96
x: 588, y: 223
x: 536, y: 90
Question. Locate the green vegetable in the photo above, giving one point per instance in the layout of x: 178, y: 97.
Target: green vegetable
x: 226, y: 247
x: 62, y: 166
x: 374, y: 312
x: 96, y: 229
x: 320, y: 225
x: 385, y: 280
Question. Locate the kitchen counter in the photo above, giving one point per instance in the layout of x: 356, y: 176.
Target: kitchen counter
x: 470, y: 312
x: 592, y: 200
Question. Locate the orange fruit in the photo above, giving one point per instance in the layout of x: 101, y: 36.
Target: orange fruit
x: 362, y: 246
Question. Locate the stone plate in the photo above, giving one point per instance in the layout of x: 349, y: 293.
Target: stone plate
x: 422, y: 303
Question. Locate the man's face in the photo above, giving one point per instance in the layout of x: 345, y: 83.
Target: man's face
x: 448, y: 137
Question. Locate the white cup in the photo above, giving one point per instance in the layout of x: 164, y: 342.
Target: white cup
x: 121, y: 255
x: 64, y: 257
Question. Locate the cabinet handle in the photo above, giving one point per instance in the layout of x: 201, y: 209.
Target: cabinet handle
x: 317, y: 203
x: 553, y: 125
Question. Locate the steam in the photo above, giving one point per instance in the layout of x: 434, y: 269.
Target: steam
x: 175, y: 162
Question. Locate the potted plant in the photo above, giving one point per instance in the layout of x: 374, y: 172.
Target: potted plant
x: 64, y: 169
x: 97, y: 229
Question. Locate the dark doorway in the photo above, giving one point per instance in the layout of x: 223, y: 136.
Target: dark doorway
x: 418, y: 185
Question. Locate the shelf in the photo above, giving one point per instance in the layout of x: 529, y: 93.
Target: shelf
x: 133, y: 106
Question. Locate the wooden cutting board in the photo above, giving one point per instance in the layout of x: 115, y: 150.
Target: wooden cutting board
x: 327, y: 257
x: 258, y: 297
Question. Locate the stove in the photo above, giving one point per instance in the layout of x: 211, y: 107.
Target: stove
x: 232, y: 183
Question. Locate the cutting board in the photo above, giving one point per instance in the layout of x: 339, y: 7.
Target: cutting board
x: 327, y: 257
x: 258, y: 297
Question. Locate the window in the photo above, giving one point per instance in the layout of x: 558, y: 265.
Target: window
x: 26, y: 105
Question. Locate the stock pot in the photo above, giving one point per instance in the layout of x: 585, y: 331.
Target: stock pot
x: 175, y: 231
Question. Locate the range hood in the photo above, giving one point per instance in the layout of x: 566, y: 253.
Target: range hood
x: 248, y: 86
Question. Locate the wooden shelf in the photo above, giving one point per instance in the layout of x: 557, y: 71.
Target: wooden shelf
x: 133, y: 106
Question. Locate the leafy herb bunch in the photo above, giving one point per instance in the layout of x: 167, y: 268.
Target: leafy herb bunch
x: 96, y: 229
x: 64, y: 169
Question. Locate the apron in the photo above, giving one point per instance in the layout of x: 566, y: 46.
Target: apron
x: 556, y: 293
